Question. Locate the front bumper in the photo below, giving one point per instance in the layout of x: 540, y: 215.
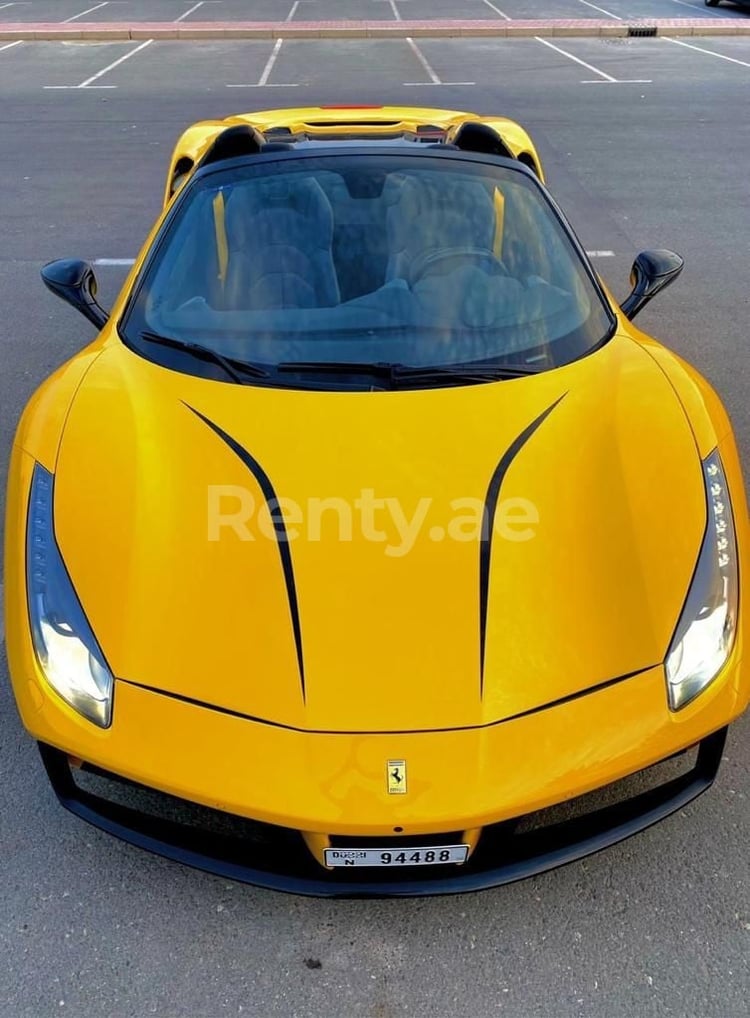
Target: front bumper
x: 335, y: 783
x: 278, y: 858
x: 293, y: 790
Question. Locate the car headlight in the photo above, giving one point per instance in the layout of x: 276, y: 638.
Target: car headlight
x: 68, y: 652
x: 705, y: 633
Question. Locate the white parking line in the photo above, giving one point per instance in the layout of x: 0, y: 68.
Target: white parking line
x: 194, y: 8
x: 189, y: 11
x: 89, y: 82
x: 694, y: 7
x: 708, y: 52
x: 15, y: 3
x: 600, y: 254
x: 295, y: 6
x: 394, y: 8
x: 604, y: 78
x: 266, y: 73
x: 90, y: 10
x: 263, y: 81
x: 497, y: 10
x: 601, y: 10
x: 10, y: 45
x: 589, y: 67
x: 423, y: 61
x: 428, y: 69
x: 116, y: 63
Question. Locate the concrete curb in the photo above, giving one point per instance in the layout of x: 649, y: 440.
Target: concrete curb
x: 197, y: 30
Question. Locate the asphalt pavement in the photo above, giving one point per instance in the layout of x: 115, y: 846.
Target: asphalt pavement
x: 650, y: 152
x: 321, y: 10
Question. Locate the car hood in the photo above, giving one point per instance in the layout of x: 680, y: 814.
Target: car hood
x: 321, y: 618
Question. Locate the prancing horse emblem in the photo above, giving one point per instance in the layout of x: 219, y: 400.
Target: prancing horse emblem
x: 396, y: 771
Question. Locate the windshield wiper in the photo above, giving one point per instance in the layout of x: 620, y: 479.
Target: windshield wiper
x: 237, y: 370
x: 481, y: 372
x: 394, y: 373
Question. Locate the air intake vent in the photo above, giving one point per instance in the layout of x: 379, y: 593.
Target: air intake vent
x: 241, y: 140
x: 641, y: 31
x: 473, y: 137
x: 351, y: 123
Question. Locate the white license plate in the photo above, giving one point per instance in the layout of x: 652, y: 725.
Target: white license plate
x: 394, y: 857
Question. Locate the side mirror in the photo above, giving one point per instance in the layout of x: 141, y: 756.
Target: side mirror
x: 74, y: 281
x: 652, y: 271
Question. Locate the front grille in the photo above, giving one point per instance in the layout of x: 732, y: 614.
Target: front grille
x: 182, y: 823
x: 277, y: 857
x: 616, y: 793
x: 160, y: 806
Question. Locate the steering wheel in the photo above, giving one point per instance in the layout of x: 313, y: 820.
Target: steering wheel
x: 426, y: 263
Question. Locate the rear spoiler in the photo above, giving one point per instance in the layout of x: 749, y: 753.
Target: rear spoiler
x: 244, y: 139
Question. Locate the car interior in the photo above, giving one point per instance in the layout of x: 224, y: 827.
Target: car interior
x: 368, y: 248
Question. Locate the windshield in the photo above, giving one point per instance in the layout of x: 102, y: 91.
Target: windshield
x: 390, y: 259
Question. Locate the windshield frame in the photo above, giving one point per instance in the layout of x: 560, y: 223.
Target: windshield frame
x: 328, y: 151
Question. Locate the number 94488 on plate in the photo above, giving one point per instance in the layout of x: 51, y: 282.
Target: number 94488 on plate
x: 393, y: 857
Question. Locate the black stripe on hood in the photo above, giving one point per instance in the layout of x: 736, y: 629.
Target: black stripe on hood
x: 488, y: 522
x: 282, y: 539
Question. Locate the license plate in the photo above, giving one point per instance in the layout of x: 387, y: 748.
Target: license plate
x: 395, y: 857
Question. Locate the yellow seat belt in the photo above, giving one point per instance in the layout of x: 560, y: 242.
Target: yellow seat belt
x: 220, y: 229
x: 498, y: 202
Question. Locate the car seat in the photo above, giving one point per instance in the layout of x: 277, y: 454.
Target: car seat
x: 425, y: 216
x: 279, y: 237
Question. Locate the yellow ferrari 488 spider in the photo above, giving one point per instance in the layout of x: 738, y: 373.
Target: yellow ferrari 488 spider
x: 370, y: 548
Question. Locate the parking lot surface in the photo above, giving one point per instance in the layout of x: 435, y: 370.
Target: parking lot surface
x: 644, y: 142
x: 70, y: 11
